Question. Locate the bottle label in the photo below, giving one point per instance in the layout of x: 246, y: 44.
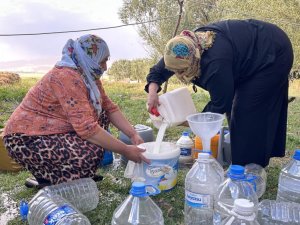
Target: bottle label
x: 197, y: 200
x: 55, y: 216
x: 185, y: 151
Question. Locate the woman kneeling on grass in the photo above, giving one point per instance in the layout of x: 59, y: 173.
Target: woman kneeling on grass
x: 59, y: 131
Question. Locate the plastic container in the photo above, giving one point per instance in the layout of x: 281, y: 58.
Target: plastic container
x: 6, y: 162
x: 214, y: 144
x: 144, y: 131
x: 271, y: 212
x: 185, y: 144
x: 235, y: 186
x: 82, y: 193
x: 243, y: 213
x: 49, y: 209
x: 260, y: 179
x: 163, y: 169
x: 289, y: 180
x: 138, y: 208
x: 201, y: 184
x: 174, y: 107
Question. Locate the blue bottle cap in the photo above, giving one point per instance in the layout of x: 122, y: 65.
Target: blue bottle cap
x: 185, y: 133
x: 138, y: 189
x: 297, y: 154
x: 24, y: 210
x: 236, y: 172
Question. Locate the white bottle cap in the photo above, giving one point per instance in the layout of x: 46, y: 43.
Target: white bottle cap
x: 243, y: 207
x: 203, y: 155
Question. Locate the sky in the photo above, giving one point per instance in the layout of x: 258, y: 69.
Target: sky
x: 40, y: 53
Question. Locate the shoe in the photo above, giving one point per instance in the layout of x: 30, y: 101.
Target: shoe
x: 31, y: 182
x: 97, y: 178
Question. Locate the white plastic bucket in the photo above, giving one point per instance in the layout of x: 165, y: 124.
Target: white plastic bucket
x: 163, y: 170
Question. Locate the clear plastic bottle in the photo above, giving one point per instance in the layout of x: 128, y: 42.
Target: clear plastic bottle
x: 271, y: 212
x: 82, y: 193
x: 201, y: 183
x: 243, y: 213
x: 260, y: 177
x: 289, y: 180
x: 49, y: 208
x: 138, y: 208
x: 235, y: 186
x: 186, y: 144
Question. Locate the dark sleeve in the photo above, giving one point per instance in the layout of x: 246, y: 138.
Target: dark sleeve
x: 158, y: 74
x: 220, y: 86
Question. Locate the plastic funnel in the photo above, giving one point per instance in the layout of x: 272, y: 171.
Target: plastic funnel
x: 205, y: 125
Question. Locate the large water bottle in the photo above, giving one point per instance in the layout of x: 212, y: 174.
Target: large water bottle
x: 201, y: 183
x: 186, y: 144
x: 138, y: 208
x: 289, y: 180
x: 243, y: 213
x: 81, y: 193
x: 49, y: 208
x: 271, y: 212
x: 260, y: 177
x: 235, y: 186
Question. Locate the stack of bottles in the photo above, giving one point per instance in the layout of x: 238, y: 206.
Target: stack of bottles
x: 63, y: 203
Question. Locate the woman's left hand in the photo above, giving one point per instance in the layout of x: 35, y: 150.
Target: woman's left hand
x: 136, y: 139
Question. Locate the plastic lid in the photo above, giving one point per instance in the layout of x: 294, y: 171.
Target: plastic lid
x: 236, y: 171
x: 297, y: 154
x: 138, y: 189
x: 185, y: 133
x: 243, y: 206
x: 203, y: 155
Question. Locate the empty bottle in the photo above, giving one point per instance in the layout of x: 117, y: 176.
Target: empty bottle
x: 138, y: 208
x: 49, y: 209
x: 235, y: 186
x: 289, y: 180
x: 260, y: 177
x: 201, y: 183
x: 243, y: 213
x: 271, y: 212
x: 186, y: 144
x: 81, y: 193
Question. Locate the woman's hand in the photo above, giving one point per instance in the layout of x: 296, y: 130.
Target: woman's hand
x: 136, y: 139
x: 152, y: 99
x: 135, y: 154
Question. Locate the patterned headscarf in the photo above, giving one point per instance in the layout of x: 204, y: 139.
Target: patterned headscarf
x: 183, y: 53
x: 85, y: 54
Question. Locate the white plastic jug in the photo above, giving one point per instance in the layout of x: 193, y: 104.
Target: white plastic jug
x: 174, y: 107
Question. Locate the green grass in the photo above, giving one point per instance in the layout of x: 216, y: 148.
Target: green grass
x: 114, y: 188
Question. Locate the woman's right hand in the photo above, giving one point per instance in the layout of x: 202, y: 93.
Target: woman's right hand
x: 152, y: 100
x: 135, y: 154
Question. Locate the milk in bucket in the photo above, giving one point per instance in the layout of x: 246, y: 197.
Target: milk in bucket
x: 163, y: 169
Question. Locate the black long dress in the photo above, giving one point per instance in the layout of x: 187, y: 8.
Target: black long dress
x: 246, y: 74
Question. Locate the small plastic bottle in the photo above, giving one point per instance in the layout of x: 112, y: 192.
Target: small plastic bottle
x: 260, y: 177
x: 201, y: 183
x: 243, y: 213
x: 82, y: 193
x: 138, y: 208
x: 289, y: 180
x: 49, y: 208
x: 186, y: 144
x: 235, y: 186
x: 272, y: 212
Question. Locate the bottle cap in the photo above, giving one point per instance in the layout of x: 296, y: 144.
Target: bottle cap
x: 185, y: 133
x: 297, y: 154
x: 138, y: 189
x: 236, y: 171
x: 155, y: 112
x: 203, y: 155
x: 243, y: 206
x: 24, y: 210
